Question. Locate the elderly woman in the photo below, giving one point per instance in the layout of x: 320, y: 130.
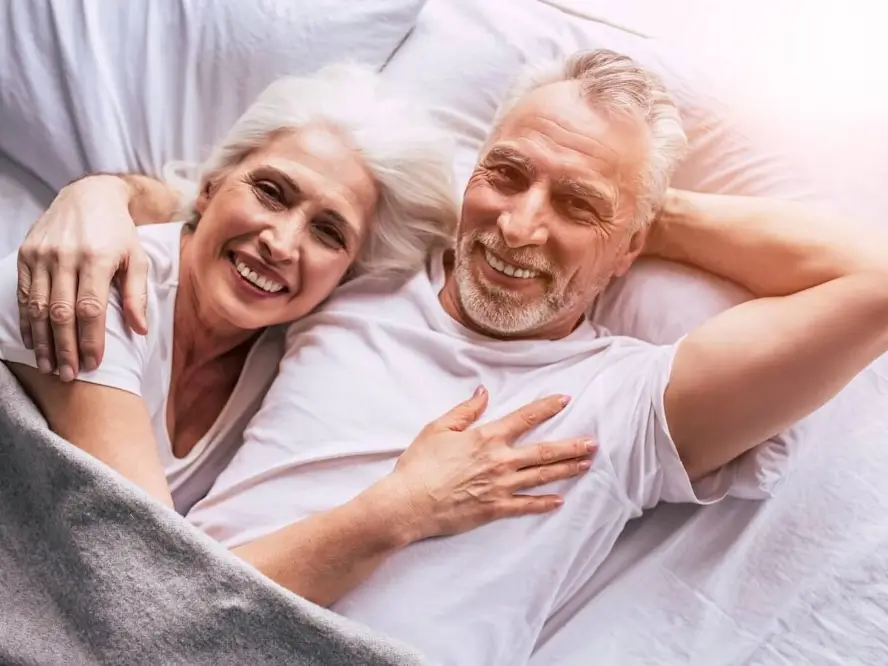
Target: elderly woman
x: 321, y: 180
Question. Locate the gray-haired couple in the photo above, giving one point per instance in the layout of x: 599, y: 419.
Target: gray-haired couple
x: 322, y: 376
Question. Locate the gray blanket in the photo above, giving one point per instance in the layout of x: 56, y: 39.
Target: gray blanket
x: 94, y: 572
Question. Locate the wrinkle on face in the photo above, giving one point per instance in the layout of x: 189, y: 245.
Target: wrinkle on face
x: 569, y: 205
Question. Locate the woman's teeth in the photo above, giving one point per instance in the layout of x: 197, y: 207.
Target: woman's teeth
x: 508, y: 269
x: 257, y: 280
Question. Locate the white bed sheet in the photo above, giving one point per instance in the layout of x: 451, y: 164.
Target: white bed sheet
x: 800, y: 579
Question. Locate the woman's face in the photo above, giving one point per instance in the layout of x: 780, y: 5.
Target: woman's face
x: 278, y: 232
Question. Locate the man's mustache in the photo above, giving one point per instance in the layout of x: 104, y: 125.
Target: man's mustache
x: 522, y: 257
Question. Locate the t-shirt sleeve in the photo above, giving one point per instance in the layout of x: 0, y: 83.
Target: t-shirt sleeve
x: 126, y: 353
x: 755, y: 475
x: 675, y: 484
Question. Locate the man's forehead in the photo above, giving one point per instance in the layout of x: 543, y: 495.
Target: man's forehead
x: 559, y: 104
x: 571, y: 172
x: 553, y: 128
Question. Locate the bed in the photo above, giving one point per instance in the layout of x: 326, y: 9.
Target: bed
x: 800, y: 579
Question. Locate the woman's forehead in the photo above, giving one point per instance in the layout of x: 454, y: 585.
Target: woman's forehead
x: 321, y: 164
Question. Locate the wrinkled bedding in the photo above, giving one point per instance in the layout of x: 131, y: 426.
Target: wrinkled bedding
x: 799, y: 579
x: 94, y: 572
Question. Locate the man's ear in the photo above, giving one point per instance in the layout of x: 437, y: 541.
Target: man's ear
x: 633, y: 249
x: 203, y: 199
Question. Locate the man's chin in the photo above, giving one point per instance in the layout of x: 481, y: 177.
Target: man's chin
x: 489, y: 315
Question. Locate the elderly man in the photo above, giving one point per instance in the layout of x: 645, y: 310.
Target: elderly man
x: 570, y: 188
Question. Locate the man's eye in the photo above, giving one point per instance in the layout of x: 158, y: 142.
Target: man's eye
x: 506, y: 178
x: 505, y: 171
x: 576, y: 203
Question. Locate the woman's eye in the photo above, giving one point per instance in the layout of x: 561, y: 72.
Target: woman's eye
x: 330, y: 235
x: 268, y: 189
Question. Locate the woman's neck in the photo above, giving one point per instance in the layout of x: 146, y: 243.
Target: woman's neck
x: 200, y: 336
x: 208, y: 357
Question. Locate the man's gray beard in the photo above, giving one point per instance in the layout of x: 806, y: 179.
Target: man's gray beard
x: 499, y: 311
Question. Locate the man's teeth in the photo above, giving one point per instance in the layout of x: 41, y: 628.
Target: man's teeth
x: 258, y: 280
x: 508, y: 269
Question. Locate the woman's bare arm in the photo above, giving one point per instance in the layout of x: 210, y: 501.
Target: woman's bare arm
x: 450, y: 480
x: 110, y: 424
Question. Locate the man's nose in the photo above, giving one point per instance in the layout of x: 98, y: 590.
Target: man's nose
x: 281, y: 243
x: 524, y: 223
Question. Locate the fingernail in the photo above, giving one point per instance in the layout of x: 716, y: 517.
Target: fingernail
x: 565, y: 399
x: 66, y: 373
x: 479, y: 391
x: 585, y: 464
x: 558, y: 502
x: 44, y: 366
x: 590, y: 445
x: 89, y: 363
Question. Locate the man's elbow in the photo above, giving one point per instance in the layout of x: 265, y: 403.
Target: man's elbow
x: 870, y: 252
x: 872, y: 286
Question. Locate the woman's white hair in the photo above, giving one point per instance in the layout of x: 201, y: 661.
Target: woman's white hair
x: 408, y: 156
x: 612, y: 82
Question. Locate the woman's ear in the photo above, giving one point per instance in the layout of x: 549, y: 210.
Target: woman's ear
x: 203, y: 199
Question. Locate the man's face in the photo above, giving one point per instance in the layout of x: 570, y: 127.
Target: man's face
x: 548, y: 214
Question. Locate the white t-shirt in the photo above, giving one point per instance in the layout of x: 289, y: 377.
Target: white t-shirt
x: 143, y: 365
x: 361, y: 378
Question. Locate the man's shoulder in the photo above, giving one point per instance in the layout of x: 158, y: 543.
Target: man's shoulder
x: 623, y: 351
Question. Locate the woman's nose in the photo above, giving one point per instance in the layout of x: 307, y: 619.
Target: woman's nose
x: 281, y: 243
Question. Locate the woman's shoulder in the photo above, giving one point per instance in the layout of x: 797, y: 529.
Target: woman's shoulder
x: 162, y: 245
x: 127, y: 355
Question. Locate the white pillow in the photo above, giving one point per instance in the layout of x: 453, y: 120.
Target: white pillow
x: 462, y: 54
x: 657, y: 300
x: 126, y: 86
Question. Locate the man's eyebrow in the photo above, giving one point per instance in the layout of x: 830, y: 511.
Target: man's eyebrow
x: 596, y: 195
x: 507, y: 154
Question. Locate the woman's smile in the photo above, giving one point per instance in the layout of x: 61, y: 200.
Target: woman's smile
x: 254, y: 278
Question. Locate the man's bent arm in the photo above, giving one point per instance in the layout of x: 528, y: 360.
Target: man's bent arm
x: 821, y: 317
x: 150, y: 201
x: 69, y: 258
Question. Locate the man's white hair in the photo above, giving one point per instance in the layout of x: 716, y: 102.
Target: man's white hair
x: 408, y: 156
x: 614, y: 83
